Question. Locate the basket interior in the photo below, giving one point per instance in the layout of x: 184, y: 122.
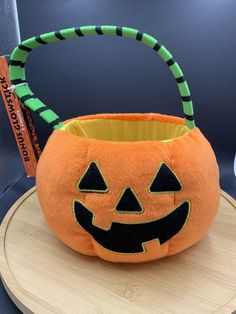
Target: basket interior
x: 124, y: 130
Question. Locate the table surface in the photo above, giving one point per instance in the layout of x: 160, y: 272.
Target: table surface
x: 53, y: 277
x: 7, y: 199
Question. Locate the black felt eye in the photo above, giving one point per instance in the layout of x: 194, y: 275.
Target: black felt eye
x: 92, y: 180
x: 165, y: 181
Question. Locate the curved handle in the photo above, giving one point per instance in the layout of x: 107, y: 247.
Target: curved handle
x: 20, y: 54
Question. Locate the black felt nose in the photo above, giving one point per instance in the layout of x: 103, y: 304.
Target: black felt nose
x: 128, y: 202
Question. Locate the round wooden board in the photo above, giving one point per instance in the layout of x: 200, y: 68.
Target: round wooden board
x: 42, y: 275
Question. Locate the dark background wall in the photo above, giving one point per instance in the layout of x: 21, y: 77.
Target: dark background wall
x: 99, y: 74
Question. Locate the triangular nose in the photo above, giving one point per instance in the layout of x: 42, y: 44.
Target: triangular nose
x: 128, y: 202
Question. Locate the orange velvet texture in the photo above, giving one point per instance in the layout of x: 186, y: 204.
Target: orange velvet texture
x: 128, y: 164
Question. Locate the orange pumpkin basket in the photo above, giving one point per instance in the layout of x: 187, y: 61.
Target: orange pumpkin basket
x: 125, y: 187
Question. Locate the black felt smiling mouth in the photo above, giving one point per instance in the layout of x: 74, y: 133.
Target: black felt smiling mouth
x: 130, y: 237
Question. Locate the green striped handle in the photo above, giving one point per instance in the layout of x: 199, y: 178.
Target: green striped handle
x: 25, y: 94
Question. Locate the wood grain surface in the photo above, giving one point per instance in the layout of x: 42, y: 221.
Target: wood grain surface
x: 42, y: 275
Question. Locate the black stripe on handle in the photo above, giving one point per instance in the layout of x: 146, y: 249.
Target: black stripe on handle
x: 189, y: 117
x: 41, y: 109
x: 40, y: 40
x: 98, y: 30
x: 55, y: 122
x: 26, y: 97
x: 180, y: 79
x: 119, y: 31
x: 78, y: 32
x: 170, y: 62
x: 24, y: 48
x: 186, y: 98
x: 59, y: 35
x: 156, y: 47
x: 17, y: 63
x: 18, y: 81
x: 139, y: 36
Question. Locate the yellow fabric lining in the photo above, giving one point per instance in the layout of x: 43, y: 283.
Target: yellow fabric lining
x: 123, y: 130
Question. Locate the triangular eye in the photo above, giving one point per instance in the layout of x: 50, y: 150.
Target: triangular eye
x: 92, y: 180
x: 165, y: 181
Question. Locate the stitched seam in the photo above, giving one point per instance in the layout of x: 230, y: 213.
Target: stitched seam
x: 91, y: 238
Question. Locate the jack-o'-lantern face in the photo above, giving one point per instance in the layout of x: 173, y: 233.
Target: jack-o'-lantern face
x: 128, y: 199
x: 130, y: 237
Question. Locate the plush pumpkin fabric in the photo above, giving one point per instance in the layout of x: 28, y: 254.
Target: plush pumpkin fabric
x: 130, y: 165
